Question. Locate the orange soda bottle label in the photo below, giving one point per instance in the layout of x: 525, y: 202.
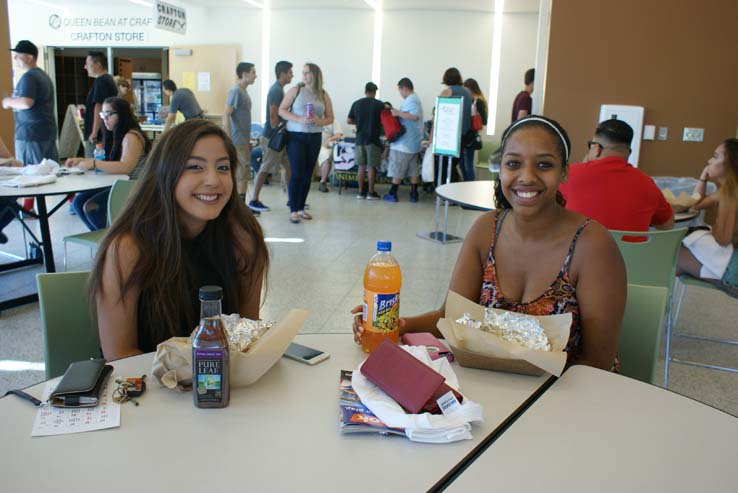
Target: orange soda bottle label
x: 381, y: 310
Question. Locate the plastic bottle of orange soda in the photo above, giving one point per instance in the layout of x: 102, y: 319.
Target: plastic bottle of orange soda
x: 381, y: 310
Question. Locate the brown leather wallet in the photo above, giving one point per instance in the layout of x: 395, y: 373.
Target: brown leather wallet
x: 414, y: 385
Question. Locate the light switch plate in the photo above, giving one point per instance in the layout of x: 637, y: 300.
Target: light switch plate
x: 663, y: 133
x: 693, y: 134
x: 649, y: 132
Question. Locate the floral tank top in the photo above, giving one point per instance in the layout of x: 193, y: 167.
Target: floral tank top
x: 559, y: 298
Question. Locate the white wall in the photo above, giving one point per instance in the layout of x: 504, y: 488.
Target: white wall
x: 338, y: 41
x: 420, y: 45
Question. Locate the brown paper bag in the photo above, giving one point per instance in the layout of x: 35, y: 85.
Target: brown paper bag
x: 172, y: 366
x: 477, y: 349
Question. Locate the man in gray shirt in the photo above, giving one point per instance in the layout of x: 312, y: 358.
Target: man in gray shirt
x: 182, y: 100
x: 237, y: 122
x: 271, y: 159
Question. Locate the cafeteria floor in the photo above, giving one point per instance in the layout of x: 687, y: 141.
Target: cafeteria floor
x: 319, y: 265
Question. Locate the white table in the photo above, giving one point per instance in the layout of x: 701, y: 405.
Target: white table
x: 597, y: 431
x: 280, y: 434
x: 66, y: 185
x: 479, y: 195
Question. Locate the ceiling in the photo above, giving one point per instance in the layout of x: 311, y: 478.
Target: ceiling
x: 459, y: 5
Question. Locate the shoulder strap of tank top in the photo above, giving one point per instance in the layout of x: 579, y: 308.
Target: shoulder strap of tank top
x: 498, y: 227
x: 567, y: 261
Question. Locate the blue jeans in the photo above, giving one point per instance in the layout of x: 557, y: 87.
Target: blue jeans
x: 467, y: 163
x: 302, y: 150
x: 92, y: 208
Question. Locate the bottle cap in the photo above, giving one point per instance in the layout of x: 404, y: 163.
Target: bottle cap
x: 98, y: 145
x: 211, y: 293
x: 384, y: 246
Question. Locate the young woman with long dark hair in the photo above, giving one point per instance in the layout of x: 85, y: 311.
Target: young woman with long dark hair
x: 713, y: 254
x: 125, y: 152
x: 533, y: 256
x: 183, y: 227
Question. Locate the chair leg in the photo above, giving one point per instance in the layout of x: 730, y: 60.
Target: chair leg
x: 680, y: 289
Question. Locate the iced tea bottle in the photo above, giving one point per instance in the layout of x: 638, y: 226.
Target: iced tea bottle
x: 381, y: 310
x: 210, y: 357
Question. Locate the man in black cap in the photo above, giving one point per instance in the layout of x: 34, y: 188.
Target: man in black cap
x: 33, y: 108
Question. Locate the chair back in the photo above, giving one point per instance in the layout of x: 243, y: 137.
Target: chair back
x: 119, y: 193
x: 68, y: 327
x: 651, y: 262
x: 641, y: 331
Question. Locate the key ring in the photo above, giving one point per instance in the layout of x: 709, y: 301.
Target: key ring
x: 128, y: 388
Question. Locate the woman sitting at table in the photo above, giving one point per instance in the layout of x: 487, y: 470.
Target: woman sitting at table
x: 125, y: 152
x: 712, y: 254
x: 182, y: 228
x: 533, y: 256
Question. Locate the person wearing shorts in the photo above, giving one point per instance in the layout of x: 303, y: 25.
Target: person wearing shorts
x: 404, y: 152
x: 365, y: 113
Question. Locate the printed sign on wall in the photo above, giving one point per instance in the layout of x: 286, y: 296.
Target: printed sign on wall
x: 171, y: 18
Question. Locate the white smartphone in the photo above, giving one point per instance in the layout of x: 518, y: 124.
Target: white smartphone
x: 305, y: 354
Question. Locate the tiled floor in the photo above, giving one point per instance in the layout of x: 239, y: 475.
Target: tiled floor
x: 324, y: 274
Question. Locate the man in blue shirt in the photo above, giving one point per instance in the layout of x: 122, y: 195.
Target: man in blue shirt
x: 403, y: 158
x: 237, y: 122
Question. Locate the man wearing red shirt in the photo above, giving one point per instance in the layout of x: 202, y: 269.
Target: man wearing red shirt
x: 609, y: 190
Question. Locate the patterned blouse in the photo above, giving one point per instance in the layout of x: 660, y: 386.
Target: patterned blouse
x: 560, y: 297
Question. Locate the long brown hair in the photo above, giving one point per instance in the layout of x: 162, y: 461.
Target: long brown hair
x: 729, y: 188
x: 317, y: 86
x: 162, y: 272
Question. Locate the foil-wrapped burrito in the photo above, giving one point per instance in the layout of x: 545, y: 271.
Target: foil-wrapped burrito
x: 519, y: 328
x: 242, y: 333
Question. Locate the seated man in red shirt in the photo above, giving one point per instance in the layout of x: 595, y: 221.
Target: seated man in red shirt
x: 609, y: 190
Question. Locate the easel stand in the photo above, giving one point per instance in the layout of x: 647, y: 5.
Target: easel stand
x: 442, y: 236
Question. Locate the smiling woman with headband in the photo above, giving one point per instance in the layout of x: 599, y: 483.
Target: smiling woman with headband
x: 533, y: 256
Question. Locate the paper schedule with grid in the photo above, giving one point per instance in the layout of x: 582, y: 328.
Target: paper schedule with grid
x: 61, y: 421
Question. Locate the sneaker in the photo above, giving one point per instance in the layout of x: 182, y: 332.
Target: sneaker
x: 3, y: 239
x: 413, y: 197
x: 390, y: 197
x: 361, y: 196
x: 256, y: 205
x: 323, y: 187
x: 372, y: 196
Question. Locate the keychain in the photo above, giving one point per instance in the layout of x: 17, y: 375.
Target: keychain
x: 128, y: 388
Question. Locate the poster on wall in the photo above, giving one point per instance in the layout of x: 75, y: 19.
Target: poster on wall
x: 171, y: 18
x: 203, y: 81
x: 447, y: 127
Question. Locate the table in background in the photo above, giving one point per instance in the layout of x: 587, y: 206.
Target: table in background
x: 66, y: 185
x: 597, y: 431
x: 279, y: 434
x: 477, y: 195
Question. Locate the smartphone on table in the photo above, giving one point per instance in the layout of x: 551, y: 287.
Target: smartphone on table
x: 305, y: 354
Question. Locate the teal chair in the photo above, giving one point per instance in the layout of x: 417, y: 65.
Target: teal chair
x: 653, y: 263
x: 68, y: 323
x: 641, y: 331
x: 116, y: 200
x: 682, y: 282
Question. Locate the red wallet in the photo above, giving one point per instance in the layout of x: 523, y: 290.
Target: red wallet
x: 414, y: 385
x: 436, y: 349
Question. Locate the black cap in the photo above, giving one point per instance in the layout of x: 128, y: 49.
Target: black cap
x: 211, y: 293
x: 25, y: 46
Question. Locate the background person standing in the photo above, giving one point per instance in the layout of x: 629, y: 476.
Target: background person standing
x: 365, y: 113
x: 103, y: 87
x: 237, y: 123
x: 33, y: 110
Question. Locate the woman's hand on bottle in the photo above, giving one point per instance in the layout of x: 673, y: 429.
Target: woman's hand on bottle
x: 358, y: 327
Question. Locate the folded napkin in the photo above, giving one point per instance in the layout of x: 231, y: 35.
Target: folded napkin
x: 426, y: 427
x: 29, y: 181
x: 10, y: 171
x: 46, y: 167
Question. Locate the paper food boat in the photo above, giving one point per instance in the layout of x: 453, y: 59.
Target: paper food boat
x: 474, y: 348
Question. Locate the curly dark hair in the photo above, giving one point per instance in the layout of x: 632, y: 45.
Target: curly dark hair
x: 552, y: 127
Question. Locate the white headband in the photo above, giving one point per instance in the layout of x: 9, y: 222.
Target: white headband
x: 542, y: 120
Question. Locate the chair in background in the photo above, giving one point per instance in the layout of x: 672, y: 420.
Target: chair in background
x: 116, y: 200
x: 641, y: 331
x: 682, y: 283
x: 652, y: 262
x: 68, y: 325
